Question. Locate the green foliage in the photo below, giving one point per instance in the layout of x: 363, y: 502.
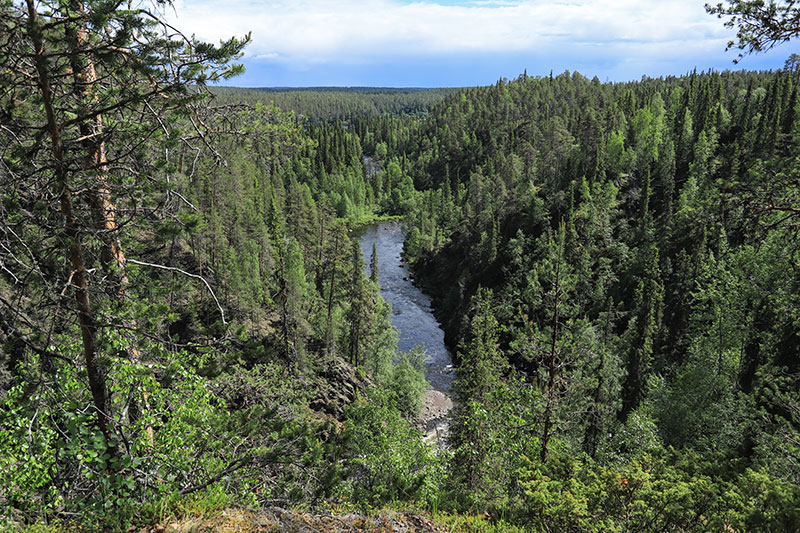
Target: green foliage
x: 637, y: 238
x: 239, y: 435
x: 488, y: 428
x: 69, y: 465
x: 373, y: 265
x: 407, y: 384
x: 389, y: 461
x: 336, y: 104
x: 617, y: 263
x: 759, y: 26
x: 654, y: 493
x: 473, y: 523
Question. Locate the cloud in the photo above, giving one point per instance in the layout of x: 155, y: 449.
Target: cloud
x: 309, y: 32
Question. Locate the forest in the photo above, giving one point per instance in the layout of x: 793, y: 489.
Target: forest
x: 188, y: 326
x: 340, y: 105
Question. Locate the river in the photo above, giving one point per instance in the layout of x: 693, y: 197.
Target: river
x: 412, y: 313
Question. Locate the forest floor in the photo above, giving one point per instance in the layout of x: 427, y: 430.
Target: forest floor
x: 281, y: 520
x: 276, y: 519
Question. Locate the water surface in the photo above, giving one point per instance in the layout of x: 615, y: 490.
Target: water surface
x: 411, y: 308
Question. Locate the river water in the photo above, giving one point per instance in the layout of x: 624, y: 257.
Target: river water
x: 411, y: 308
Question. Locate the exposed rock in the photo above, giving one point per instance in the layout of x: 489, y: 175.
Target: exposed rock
x: 337, y: 386
x: 433, y: 420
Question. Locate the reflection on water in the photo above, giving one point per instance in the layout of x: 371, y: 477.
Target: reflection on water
x: 412, y: 313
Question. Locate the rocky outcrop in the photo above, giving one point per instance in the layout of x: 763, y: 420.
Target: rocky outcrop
x: 336, y: 386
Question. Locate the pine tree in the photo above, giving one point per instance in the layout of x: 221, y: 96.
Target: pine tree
x: 81, y: 66
x: 295, y: 299
x: 641, y: 332
x: 549, y: 347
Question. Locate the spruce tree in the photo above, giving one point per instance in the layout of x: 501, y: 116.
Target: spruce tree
x: 479, y: 373
x: 373, y: 264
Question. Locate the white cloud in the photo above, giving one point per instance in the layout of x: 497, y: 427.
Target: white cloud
x: 363, y: 31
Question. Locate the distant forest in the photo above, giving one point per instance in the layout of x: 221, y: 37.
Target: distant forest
x: 330, y: 104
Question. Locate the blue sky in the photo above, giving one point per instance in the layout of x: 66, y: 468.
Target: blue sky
x: 427, y: 43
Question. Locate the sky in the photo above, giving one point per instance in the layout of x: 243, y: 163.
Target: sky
x: 450, y: 43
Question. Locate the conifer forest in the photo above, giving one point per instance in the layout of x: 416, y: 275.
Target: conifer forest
x: 189, y: 327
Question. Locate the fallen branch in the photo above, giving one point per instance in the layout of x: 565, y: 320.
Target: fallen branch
x: 236, y: 465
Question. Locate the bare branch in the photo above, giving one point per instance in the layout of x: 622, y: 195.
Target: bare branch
x: 180, y: 271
